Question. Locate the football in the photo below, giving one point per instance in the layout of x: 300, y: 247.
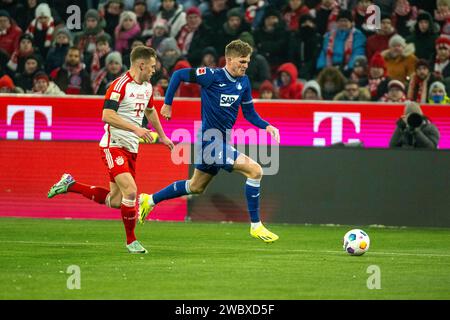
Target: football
x: 356, y: 242
x: 155, y: 137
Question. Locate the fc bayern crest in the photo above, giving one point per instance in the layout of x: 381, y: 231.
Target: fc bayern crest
x: 239, y: 86
x: 119, y: 161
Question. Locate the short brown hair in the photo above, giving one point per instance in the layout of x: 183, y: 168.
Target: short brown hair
x: 238, y: 48
x: 142, y: 52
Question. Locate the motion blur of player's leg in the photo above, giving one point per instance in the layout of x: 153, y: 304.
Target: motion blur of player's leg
x: 122, y: 195
x: 196, y: 185
x: 253, y: 171
x: 68, y: 184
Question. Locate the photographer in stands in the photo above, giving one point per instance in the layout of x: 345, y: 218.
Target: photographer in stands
x: 414, y: 129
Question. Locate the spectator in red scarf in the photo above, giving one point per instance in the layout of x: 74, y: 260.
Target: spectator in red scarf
x: 9, y: 33
x: 378, y: 79
x: 127, y: 29
x: 380, y: 40
x: 25, y: 49
x: 98, y: 60
x: 442, y: 59
x: 289, y: 87
x: 93, y: 25
x: 254, y: 12
x: 42, y: 28
x: 343, y: 45
x: 113, y: 69
x: 420, y: 82
x: 326, y: 15
x: 404, y: 16
x: 292, y: 12
x: 72, y: 77
x: 396, y: 92
x: 193, y: 37
x: 359, y: 14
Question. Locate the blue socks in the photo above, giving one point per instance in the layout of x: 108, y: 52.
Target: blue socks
x: 175, y: 190
x: 252, y: 188
x: 181, y: 188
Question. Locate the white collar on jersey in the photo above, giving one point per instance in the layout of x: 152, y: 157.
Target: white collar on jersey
x: 229, y: 75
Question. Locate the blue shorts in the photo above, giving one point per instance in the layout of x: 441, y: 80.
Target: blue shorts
x: 213, y: 156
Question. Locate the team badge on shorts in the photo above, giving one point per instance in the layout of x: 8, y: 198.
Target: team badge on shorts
x: 119, y: 160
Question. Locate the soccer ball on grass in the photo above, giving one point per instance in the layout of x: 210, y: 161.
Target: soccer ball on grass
x: 356, y: 242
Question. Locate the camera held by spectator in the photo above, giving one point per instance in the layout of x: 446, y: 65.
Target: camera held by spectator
x: 414, y: 129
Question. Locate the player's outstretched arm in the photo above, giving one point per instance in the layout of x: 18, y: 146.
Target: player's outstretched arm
x: 175, y: 80
x: 202, y: 76
x: 111, y: 117
x: 153, y: 118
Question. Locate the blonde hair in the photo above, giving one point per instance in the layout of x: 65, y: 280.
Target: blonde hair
x: 238, y: 48
x: 142, y: 52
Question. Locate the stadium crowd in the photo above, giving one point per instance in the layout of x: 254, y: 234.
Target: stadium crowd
x: 303, y: 49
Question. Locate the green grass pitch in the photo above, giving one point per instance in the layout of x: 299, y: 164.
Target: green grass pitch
x: 217, y: 261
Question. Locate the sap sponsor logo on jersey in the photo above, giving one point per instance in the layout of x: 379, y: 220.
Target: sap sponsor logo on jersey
x: 226, y: 100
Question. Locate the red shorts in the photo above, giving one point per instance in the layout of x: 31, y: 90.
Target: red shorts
x: 119, y: 160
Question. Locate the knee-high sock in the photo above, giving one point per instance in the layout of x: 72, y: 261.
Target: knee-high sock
x: 97, y: 194
x: 128, y: 211
x: 175, y: 190
x: 252, y: 191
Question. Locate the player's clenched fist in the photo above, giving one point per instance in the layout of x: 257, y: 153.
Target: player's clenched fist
x: 274, y: 133
x: 166, y: 111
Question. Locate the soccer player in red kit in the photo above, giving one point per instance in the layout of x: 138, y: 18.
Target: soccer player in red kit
x: 127, y: 100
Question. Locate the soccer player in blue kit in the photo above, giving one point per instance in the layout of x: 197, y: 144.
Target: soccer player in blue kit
x: 223, y: 91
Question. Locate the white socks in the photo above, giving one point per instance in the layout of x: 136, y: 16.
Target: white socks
x: 255, y: 225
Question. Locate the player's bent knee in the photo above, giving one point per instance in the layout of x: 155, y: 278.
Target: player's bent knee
x: 129, y: 195
x: 256, y: 172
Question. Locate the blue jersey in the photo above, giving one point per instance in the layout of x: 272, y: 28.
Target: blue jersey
x: 221, y: 96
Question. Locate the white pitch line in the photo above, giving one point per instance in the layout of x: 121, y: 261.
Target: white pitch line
x: 62, y: 244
